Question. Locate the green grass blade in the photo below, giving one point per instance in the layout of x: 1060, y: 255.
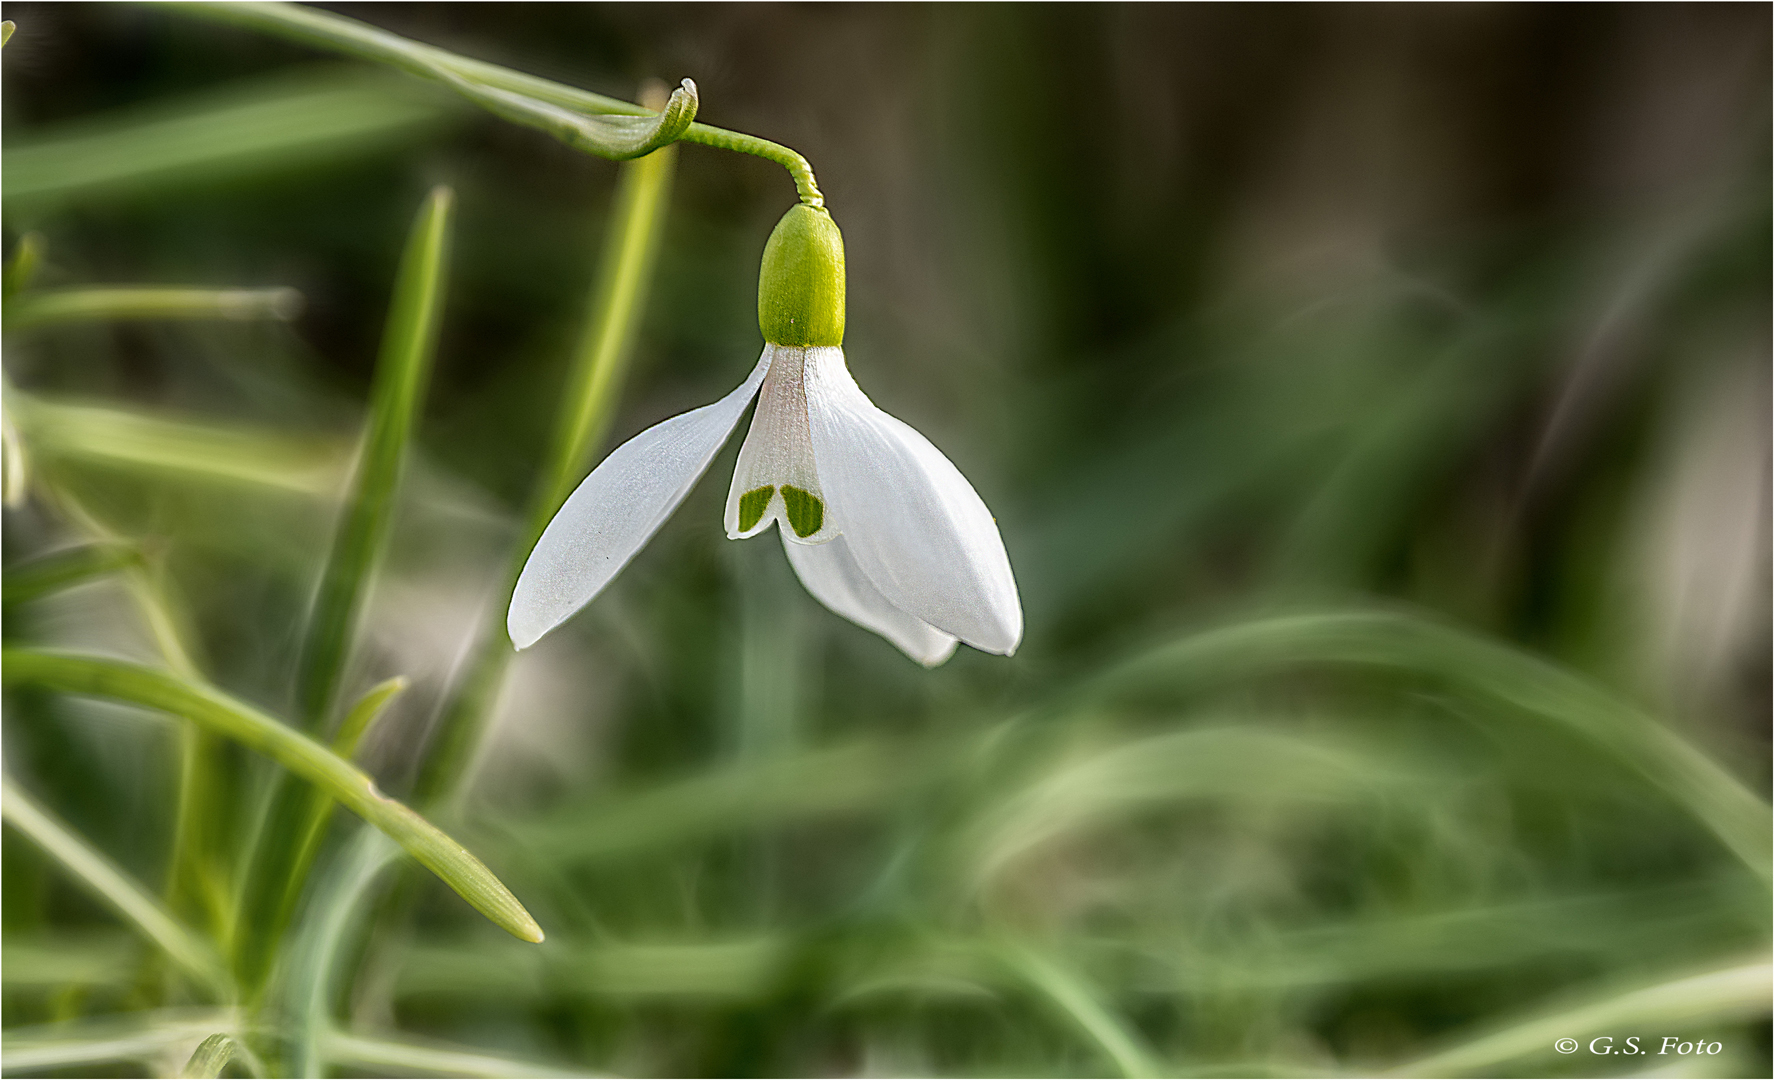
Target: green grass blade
x: 50, y: 306
x: 1740, y: 991
x: 1481, y: 669
x: 245, y: 129
x: 593, y: 384
x: 110, y: 959
x: 105, y: 880
x: 210, y: 1058
x: 402, y: 370
x: 295, y: 826
x: 64, y: 569
x: 287, y: 840
x: 139, y: 1036
x: 407, y: 1057
x: 217, y: 712
x: 22, y: 267
x: 1083, y: 1006
x: 140, y: 442
x: 742, y: 795
x: 301, y: 996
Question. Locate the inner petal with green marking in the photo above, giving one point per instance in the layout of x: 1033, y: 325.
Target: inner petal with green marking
x: 753, y: 504
x: 806, y: 511
x: 776, y: 479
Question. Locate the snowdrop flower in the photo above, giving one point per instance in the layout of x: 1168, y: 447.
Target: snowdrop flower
x: 877, y: 523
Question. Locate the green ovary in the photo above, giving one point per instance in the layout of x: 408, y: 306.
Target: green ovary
x: 753, y: 504
x: 805, y: 510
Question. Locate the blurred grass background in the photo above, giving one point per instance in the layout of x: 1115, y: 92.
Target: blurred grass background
x: 1374, y: 401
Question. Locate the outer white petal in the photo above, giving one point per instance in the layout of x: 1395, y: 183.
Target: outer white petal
x: 915, y: 526
x: 830, y: 573
x: 617, y: 509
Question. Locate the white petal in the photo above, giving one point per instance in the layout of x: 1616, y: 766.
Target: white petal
x: 617, y: 509
x: 776, y: 463
x: 830, y: 573
x: 915, y: 526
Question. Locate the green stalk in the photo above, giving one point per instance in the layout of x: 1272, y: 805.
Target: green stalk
x: 597, y: 369
x: 44, y: 307
x: 220, y: 714
x: 522, y: 98
x: 288, y: 839
x: 612, y: 133
x: 105, y: 880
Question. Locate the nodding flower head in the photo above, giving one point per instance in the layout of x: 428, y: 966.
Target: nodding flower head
x: 879, y: 526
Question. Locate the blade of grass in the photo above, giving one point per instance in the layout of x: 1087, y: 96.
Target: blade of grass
x: 1081, y: 1004
x: 1739, y: 991
x: 286, y: 843
x: 210, y: 1058
x: 406, y: 1057
x: 242, y: 129
x: 47, y: 307
x: 110, y: 958
x: 141, y: 442
x: 595, y: 379
x: 66, y: 568
x: 409, y: 343
x: 23, y: 265
x: 273, y: 888
x: 141, y: 1036
x: 105, y: 880
x: 215, y: 711
x: 736, y: 796
x: 1487, y: 670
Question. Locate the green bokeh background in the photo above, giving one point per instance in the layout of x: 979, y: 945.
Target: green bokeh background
x: 1448, y: 324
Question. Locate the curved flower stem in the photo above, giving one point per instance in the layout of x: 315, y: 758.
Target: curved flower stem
x: 797, y: 166
x: 563, y: 111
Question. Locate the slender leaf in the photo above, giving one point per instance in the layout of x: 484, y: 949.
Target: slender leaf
x: 407, y: 1056
x: 258, y: 127
x: 140, y: 1036
x: 211, y: 1057
x: 105, y: 880
x: 66, y: 568
x: 1083, y: 1005
x: 47, y: 307
x: 291, y: 832
x: 217, y: 712
x: 291, y: 839
x: 738, y: 796
x: 140, y: 442
x: 1489, y: 671
x: 408, y: 344
x: 1739, y: 991
x: 22, y: 267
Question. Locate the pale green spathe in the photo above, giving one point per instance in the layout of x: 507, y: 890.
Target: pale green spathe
x: 801, y: 281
